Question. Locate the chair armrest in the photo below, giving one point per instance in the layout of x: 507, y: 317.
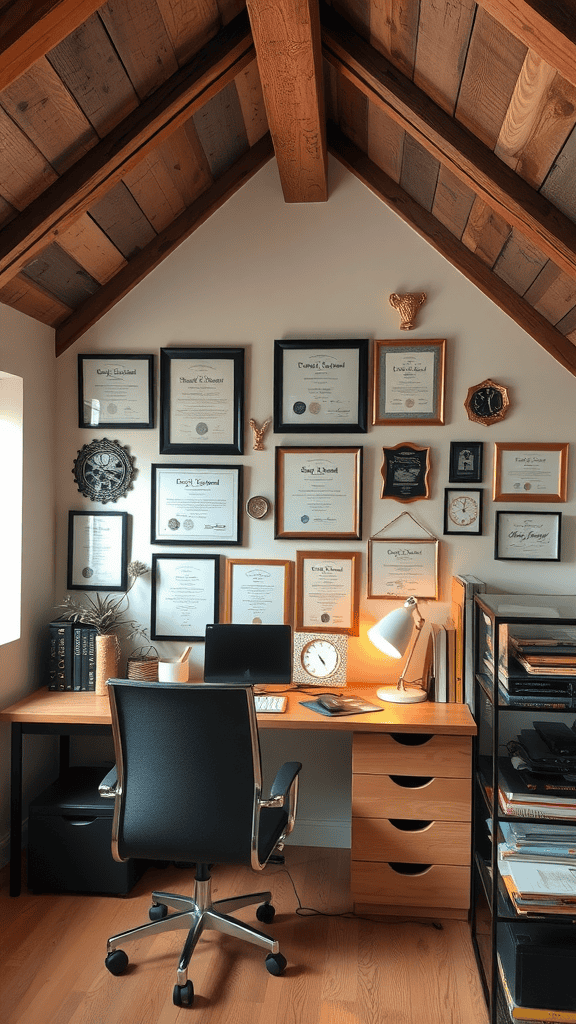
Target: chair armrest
x: 109, y: 784
x: 282, y: 784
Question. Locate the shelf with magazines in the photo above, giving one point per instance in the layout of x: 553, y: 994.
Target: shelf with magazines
x: 524, y: 806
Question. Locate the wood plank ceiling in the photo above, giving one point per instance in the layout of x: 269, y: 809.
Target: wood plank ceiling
x: 123, y: 126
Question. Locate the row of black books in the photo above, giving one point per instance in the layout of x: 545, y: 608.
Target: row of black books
x: 71, y: 656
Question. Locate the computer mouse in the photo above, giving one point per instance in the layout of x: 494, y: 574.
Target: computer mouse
x: 330, y: 702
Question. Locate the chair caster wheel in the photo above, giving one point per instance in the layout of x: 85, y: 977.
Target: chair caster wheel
x: 183, y: 995
x: 275, y: 963
x: 158, y: 911
x: 116, y: 961
x: 265, y: 913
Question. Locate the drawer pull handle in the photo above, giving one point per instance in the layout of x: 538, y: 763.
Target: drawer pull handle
x: 78, y: 821
x: 405, y: 825
x: 412, y: 781
x: 411, y: 739
x: 410, y: 869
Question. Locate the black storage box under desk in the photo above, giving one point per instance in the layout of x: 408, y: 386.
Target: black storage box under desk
x: 69, y: 839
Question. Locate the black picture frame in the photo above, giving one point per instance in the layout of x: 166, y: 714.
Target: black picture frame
x: 519, y: 536
x: 463, y: 511
x: 132, y: 407
x: 308, y: 406
x: 466, y: 462
x: 105, y: 566
x: 209, y: 612
x: 220, y: 418
x: 173, y: 518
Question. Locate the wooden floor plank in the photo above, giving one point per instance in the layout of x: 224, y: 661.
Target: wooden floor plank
x: 341, y: 970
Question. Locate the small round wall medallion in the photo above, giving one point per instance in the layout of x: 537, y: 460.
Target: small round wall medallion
x: 104, y: 470
x: 257, y: 507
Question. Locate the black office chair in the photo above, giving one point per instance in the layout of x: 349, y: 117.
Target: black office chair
x: 189, y: 788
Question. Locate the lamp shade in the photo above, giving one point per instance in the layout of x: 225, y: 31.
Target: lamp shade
x: 392, y: 634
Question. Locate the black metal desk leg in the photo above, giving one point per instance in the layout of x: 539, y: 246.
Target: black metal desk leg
x: 16, y: 809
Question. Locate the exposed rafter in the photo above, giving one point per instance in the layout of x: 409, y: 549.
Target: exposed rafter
x: 29, y: 30
x: 288, y: 49
x: 548, y: 27
x: 441, y: 135
x: 154, y: 120
x: 470, y: 265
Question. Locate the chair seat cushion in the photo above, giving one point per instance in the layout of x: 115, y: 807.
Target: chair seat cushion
x: 273, y: 821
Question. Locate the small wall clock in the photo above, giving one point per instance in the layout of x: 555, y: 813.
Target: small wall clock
x: 487, y: 402
x: 463, y: 510
x: 320, y: 659
x: 104, y: 470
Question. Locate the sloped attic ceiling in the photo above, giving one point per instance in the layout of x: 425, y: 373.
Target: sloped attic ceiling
x: 123, y: 126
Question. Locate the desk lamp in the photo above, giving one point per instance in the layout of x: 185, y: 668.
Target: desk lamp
x: 392, y: 635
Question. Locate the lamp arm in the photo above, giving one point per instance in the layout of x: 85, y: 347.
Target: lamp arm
x: 418, y: 627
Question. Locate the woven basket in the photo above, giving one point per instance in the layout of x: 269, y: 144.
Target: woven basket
x: 144, y: 667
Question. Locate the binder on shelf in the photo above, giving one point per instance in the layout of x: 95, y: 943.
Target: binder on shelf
x: 61, y: 655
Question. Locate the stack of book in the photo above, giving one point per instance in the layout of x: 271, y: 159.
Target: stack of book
x: 527, y: 795
x: 71, y: 656
x: 538, y: 888
x: 537, y: 665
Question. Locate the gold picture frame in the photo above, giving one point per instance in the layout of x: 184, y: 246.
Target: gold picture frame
x: 328, y: 592
x: 259, y: 590
x: 318, y: 493
x: 408, y: 385
x: 536, y: 471
x: 403, y: 567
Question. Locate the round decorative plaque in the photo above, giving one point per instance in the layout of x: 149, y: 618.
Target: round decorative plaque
x: 104, y: 470
x: 257, y: 507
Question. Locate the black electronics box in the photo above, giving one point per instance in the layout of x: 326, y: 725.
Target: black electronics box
x: 69, y: 839
x: 539, y: 963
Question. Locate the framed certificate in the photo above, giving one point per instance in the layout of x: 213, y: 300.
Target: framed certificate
x: 116, y: 391
x: 328, y: 591
x: 403, y: 568
x: 321, y: 386
x: 196, y: 504
x: 201, y: 401
x: 97, y: 551
x: 258, y: 590
x: 405, y: 470
x: 409, y: 382
x: 528, y: 536
x: 319, y: 493
x: 530, y: 472
x: 185, y: 593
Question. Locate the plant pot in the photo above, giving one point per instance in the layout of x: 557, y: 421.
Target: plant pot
x: 107, y: 660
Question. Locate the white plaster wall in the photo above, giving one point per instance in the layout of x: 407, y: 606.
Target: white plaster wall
x: 260, y: 269
x: 27, y: 350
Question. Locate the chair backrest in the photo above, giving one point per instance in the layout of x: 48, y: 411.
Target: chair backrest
x: 189, y: 773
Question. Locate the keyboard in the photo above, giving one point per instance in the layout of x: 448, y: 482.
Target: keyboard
x: 270, y: 702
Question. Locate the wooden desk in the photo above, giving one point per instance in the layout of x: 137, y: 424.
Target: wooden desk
x: 67, y: 714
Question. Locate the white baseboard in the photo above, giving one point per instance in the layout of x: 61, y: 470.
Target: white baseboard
x: 312, y: 832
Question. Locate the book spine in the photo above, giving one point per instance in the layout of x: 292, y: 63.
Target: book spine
x: 64, y: 655
x: 77, y: 658
x: 84, y: 634
x: 52, y: 658
x: 91, y: 666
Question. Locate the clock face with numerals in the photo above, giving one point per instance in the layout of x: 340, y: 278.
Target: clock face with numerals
x: 320, y: 658
x: 463, y: 510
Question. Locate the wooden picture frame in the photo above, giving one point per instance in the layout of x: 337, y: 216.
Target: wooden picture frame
x: 185, y: 595
x: 466, y: 459
x: 328, y: 592
x: 258, y: 590
x: 405, y: 472
x: 97, y: 551
x: 409, y: 382
x: 531, y: 472
x: 116, y: 390
x: 463, y: 511
x: 401, y: 568
x: 318, y: 493
x: 196, y: 504
x: 201, y: 401
x: 321, y: 386
x: 530, y: 536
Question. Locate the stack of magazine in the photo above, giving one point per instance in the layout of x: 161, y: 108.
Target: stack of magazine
x: 537, y: 665
x: 528, y: 795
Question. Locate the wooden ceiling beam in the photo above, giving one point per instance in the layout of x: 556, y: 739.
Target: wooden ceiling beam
x: 165, y: 243
x: 289, y: 54
x: 453, y: 250
x: 450, y: 143
x: 548, y: 27
x: 28, y: 30
x: 214, y: 67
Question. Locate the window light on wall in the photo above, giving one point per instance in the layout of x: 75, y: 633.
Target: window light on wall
x: 11, y: 452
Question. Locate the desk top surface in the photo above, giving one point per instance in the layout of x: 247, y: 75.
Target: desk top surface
x: 48, y: 706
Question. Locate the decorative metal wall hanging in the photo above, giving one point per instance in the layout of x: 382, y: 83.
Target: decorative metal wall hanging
x: 104, y: 471
x: 407, y: 305
x: 258, y: 432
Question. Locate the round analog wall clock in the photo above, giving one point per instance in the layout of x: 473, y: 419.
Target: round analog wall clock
x: 487, y: 402
x: 104, y: 470
x: 320, y: 658
x: 463, y: 511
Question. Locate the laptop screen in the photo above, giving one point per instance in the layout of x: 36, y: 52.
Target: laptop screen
x: 247, y: 653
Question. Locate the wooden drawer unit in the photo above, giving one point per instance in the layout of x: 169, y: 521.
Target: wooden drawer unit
x: 411, y: 813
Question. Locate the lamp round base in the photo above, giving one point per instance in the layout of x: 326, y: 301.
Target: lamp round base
x: 411, y: 695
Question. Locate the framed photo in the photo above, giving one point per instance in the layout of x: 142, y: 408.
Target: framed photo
x: 258, y: 590
x: 328, y: 591
x: 185, y: 595
x: 196, y: 504
x: 403, y: 568
x: 405, y: 471
x: 409, y: 382
x: 318, y: 493
x: 97, y: 551
x: 463, y: 510
x: 116, y: 391
x: 321, y: 386
x: 201, y: 401
x: 466, y: 459
x: 530, y: 472
x: 528, y: 536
